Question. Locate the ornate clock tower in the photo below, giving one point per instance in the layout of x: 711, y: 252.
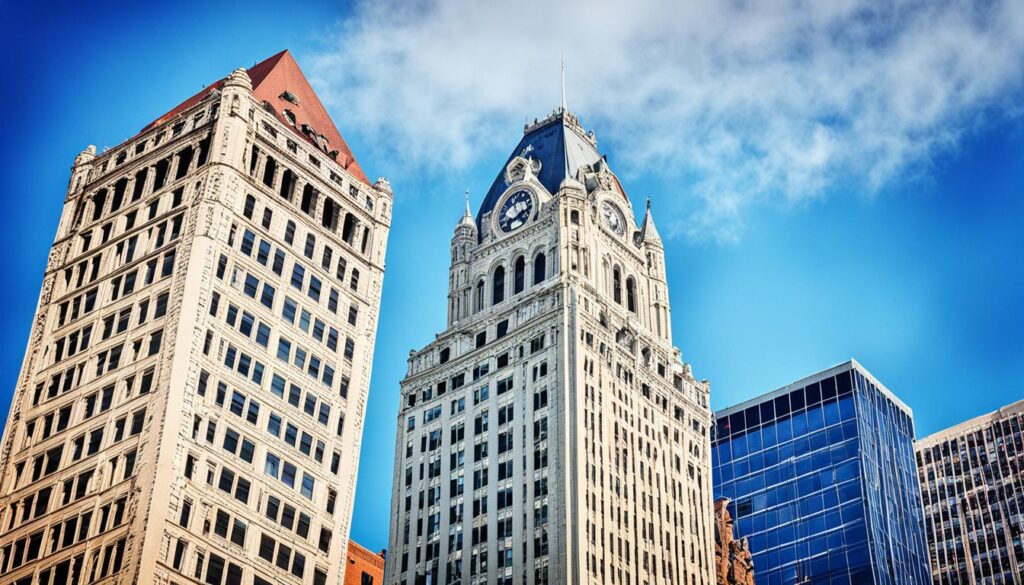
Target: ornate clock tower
x: 552, y: 433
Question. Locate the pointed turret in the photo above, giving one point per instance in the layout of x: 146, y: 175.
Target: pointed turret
x: 648, y: 233
x: 463, y: 242
x: 467, y: 217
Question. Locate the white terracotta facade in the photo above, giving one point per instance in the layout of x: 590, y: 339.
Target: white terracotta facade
x: 552, y: 433
x: 160, y: 431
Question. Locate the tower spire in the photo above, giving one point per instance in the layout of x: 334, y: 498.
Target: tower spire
x: 564, y: 109
x: 467, y: 217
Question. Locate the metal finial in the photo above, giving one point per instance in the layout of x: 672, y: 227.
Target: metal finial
x: 648, y: 203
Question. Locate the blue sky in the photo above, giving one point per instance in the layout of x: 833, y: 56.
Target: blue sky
x: 809, y: 220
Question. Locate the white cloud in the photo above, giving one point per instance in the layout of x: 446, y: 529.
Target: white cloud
x: 748, y: 102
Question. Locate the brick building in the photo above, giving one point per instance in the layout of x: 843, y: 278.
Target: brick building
x: 363, y: 567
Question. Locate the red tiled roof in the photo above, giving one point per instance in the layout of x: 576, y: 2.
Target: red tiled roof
x: 270, y: 80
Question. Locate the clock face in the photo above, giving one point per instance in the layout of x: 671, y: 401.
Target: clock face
x: 515, y: 211
x: 613, y: 218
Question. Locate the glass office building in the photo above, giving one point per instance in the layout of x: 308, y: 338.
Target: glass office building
x: 822, y: 479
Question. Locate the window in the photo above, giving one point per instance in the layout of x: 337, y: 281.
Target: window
x: 298, y: 276
x: 267, y: 298
x: 278, y: 266
x: 269, y: 171
x: 631, y: 294
x: 287, y: 184
x: 479, y: 295
x: 498, y: 285
x: 617, y: 285
x: 539, y: 268
x: 310, y: 246
x: 348, y: 228
x: 250, y: 286
x: 519, y: 275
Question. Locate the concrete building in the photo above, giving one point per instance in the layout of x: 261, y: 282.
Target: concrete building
x: 191, y: 400
x: 821, y: 479
x: 734, y: 565
x: 363, y: 567
x: 972, y: 485
x: 551, y: 433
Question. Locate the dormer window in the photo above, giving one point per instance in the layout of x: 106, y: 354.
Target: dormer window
x: 290, y: 116
x: 290, y: 97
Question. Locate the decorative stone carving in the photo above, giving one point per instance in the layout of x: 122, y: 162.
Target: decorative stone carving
x: 733, y: 562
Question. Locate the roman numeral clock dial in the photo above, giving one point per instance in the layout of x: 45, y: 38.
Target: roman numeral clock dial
x: 515, y: 211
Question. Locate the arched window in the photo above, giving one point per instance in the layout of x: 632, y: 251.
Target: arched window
x: 519, y: 276
x: 348, y: 227
x: 268, y: 172
x: 480, y: 295
x: 631, y: 294
x: 309, y: 197
x: 540, y: 268
x: 617, y: 285
x: 287, y: 184
x: 498, y: 286
x: 119, y: 189
x: 185, y: 162
x: 140, y: 184
x: 98, y: 201
x: 161, y: 174
x: 329, y: 219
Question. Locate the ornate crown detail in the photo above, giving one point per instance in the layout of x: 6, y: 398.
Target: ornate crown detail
x: 519, y: 167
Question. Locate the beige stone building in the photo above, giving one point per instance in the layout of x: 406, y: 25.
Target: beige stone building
x: 192, y: 395
x: 551, y: 433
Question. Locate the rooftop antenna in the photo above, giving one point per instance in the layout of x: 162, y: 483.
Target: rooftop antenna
x: 564, y: 109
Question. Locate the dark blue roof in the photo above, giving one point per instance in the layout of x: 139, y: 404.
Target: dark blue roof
x: 561, y: 152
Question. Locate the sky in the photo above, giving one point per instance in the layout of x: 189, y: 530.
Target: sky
x: 833, y: 180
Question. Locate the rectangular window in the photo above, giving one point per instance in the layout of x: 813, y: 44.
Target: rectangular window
x: 314, y: 288
x: 288, y: 311
x: 278, y: 266
x: 267, y: 298
x: 284, y: 349
x: 310, y: 246
x: 263, y: 253
x: 251, y: 284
